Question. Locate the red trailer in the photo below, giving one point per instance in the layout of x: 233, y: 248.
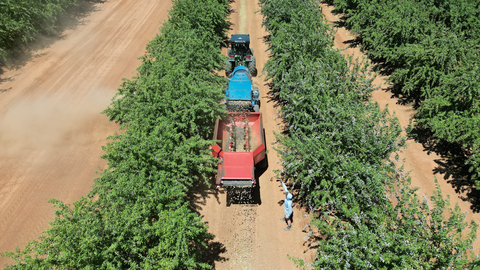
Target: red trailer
x: 241, y: 148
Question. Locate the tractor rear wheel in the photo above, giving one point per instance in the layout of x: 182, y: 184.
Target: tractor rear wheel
x: 228, y: 68
x: 252, y: 67
x: 228, y: 64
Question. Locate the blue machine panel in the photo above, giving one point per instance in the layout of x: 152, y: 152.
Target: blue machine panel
x: 240, y: 85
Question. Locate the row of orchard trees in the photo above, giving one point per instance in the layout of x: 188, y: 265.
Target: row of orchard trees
x: 22, y: 20
x: 336, y: 150
x: 431, y: 49
x: 138, y: 215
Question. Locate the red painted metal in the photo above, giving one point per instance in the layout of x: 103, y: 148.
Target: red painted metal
x: 237, y: 166
x: 217, y: 151
x: 259, y: 153
x: 241, y: 146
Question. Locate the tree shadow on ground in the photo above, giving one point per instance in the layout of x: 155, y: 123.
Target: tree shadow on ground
x: 197, y: 196
x: 212, y: 253
x: 200, y: 191
x: 273, y: 96
x: 22, y: 52
x: 4, y: 79
x: 313, y: 237
x: 451, y: 165
x: 414, y: 100
x: 379, y: 65
x: 226, y: 38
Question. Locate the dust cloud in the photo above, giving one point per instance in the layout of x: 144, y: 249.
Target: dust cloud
x: 44, y: 123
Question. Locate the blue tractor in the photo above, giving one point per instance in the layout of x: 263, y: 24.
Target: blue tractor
x: 241, y: 95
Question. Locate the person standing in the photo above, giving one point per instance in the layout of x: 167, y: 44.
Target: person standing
x: 288, y: 211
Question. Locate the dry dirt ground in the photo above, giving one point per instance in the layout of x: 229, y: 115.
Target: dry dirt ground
x: 422, y: 164
x: 51, y: 129
x: 51, y: 135
x: 252, y: 234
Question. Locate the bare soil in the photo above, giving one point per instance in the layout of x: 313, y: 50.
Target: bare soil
x: 51, y: 129
x: 422, y: 163
x: 51, y: 133
x: 251, y: 236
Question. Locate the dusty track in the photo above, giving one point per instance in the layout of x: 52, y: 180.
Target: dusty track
x: 421, y: 164
x: 253, y: 235
x: 51, y: 133
x: 51, y: 130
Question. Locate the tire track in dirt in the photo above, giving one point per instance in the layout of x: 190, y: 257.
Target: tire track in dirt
x: 253, y: 235
x: 241, y: 238
x: 418, y: 161
x: 242, y: 17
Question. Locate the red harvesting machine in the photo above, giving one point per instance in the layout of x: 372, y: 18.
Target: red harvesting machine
x: 241, y: 148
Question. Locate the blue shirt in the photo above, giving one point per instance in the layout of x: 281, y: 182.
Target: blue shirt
x: 288, y: 203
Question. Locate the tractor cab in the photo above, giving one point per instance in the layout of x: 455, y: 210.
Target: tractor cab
x: 240, y: 44
x: 240, y: 48
x: 240, y: 54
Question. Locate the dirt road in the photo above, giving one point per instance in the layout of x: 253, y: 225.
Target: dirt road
x: 253, y: 235
x: 51, y: 133
x: 51, y: 130
x: 421, y: 164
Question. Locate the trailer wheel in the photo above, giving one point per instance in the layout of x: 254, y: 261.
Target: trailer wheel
x: 252, y: 67
x: 228, y: 196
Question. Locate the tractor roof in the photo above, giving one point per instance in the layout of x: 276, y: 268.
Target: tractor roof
x: 240, y: 38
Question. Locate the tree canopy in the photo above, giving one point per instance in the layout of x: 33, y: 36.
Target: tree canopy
x: 138, y: 216
x: 338, y: 149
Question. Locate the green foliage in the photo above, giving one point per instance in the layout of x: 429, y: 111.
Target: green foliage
x: 137, y: 216
x: 336, y: 138
x: 336, y: 149
x: 138, y: 235
x: 410, y: 235
x: 21, y: 20
x: 431, y: 49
